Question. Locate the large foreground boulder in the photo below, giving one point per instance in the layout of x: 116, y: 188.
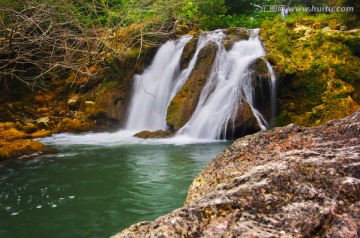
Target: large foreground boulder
x: 286, y: 182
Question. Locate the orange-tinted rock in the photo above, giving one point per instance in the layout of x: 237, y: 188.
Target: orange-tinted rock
x: 8, y: 132
x: 40, y: 134
x: 43, y: 122
x: 73, y: 125
x: 23, y: 147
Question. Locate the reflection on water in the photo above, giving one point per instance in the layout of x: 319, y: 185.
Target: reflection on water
x: 95, y: 189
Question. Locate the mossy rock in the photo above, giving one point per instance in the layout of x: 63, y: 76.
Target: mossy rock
x: 188, y: 53
x: 184, y: 103
x: 110, y: 102
x: 233, y: 35
x: 238, y: 33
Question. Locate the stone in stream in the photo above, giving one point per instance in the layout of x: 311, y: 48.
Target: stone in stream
x: 286, y: 182
x: 153, y: 134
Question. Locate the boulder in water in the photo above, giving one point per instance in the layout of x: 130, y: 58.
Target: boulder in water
x: 153, y: 134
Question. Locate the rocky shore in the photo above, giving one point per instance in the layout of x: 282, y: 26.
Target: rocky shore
x: 287, y: 182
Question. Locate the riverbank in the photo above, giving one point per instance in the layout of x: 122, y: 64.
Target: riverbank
x: 291, y: 181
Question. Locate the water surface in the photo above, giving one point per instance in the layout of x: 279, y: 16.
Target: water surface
x: 96, y: 185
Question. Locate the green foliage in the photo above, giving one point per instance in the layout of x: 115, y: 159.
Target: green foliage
x: 189, y: 11
x: 249, y: 21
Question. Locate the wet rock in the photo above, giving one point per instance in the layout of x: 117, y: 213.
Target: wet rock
x: 41, y: 133
x: 182, y: 30
x: 235, y: 34
x: 153, y: 134
x: 245, y: 122
x: 15, y: 143
x: 286, y: 182
x: 260, y: 69
x: 261, y: 87
x: 188, y: 53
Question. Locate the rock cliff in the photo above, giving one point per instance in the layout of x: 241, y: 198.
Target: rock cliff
x: 287, y: 182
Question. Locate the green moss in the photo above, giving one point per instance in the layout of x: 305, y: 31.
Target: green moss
x: 318, y: 69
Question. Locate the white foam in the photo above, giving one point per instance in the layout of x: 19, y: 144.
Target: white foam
x: 122, y: 137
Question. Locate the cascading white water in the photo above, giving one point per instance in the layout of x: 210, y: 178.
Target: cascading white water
x: 152, y: 89
x: 272, y: 90
x: 161, y: 81
x: 229, y: 83
x: 204, y: 39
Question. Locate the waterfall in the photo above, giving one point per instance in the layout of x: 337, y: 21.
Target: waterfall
x: 161, y: 81
x: 272, y: 90
x: 204, y: 39
x: 229, y: 83
x: 152, y: 89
